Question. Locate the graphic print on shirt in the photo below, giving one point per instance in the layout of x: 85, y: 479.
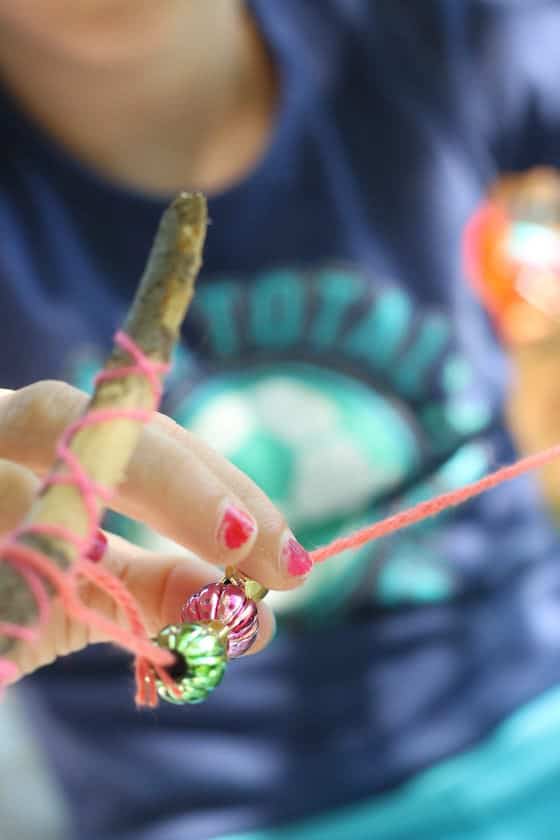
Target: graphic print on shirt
x: 342, y: 402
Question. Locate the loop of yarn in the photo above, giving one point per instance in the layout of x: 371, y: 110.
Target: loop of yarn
x: 36, y: 569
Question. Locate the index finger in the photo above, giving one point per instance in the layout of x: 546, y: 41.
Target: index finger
x: 175, y: 484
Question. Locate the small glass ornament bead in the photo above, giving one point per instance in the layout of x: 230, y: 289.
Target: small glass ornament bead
x: 227, y: 603
x: 201, y: 660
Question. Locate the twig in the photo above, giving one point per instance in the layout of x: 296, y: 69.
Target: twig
x: 104, y: 449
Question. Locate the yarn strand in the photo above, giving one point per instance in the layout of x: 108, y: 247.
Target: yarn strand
x: 431, y: 507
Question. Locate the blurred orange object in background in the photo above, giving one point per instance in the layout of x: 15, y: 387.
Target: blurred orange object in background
x: 512, y: 255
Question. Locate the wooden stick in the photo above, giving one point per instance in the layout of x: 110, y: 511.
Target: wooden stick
x: 104, y: 450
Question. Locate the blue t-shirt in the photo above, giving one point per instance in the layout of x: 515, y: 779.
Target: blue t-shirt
x: 335, y: 352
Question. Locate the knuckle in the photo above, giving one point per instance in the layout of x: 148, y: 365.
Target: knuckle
x: 36, y: 410
x: 46, y: 403
x: 17, y: 488
x: 17, y: 484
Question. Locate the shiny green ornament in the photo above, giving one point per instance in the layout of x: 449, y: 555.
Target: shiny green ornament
x: 201, y: 660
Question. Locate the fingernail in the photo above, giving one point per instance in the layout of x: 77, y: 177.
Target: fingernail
x: 98, y: 548
x: 236, y: 527
x: 295, y: 560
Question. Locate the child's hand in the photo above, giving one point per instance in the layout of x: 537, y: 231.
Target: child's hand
x: 175, y: 484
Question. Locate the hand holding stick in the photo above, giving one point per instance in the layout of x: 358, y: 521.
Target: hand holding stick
x: 95, y: 451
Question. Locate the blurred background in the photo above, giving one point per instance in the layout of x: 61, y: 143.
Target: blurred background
x: 512, y: 260
x: 31, y: 807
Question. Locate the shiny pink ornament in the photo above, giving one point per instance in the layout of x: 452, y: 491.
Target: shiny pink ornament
x: 228, y: 604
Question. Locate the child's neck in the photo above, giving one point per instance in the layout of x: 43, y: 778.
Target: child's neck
x: 162, y: 96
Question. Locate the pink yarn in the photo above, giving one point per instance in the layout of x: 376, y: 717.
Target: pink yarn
x: 431, y: 507
x: 35, y: 567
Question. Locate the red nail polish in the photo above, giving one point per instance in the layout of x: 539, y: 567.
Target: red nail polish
x: 98, y: 548
x: 297, y: 561
x: 236, y: 527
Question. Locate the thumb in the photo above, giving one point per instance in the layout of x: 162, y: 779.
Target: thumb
x: 160, y: 584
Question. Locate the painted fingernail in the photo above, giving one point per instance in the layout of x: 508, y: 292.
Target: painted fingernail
x: 236, y: 527
x: 295, y: 559
x: 98, y: 548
